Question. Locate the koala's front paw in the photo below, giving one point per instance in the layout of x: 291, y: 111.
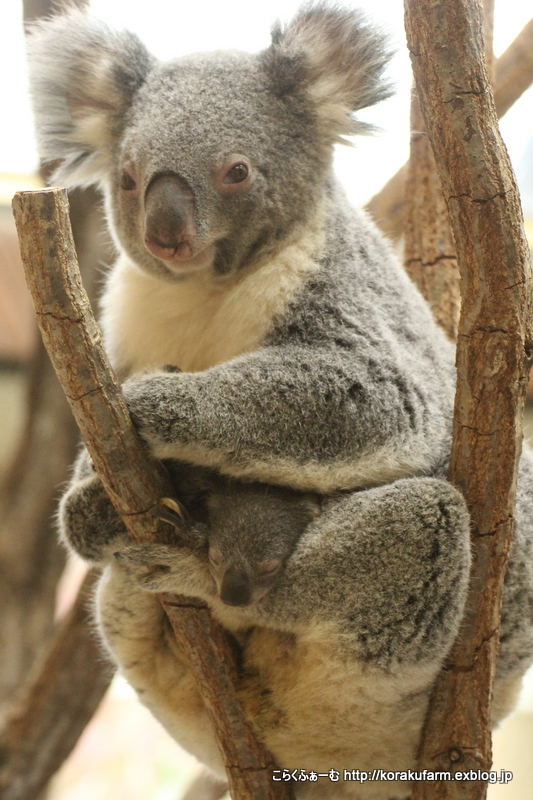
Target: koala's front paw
x: 152, y: 398
x: 88, y: 522
x: 161, y: 404
x: 164, y: 568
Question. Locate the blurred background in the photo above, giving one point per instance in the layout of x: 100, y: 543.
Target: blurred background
x: 123, y: 753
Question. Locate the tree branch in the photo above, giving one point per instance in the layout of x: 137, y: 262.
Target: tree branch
x: 134, y: 481
x: 45, y: 720
x: 493, y: 358
x: 513, y: 74
x: 514, y: 70
x: 429, y: 247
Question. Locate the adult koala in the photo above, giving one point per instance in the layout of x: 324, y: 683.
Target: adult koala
x: 308, y: 357
x: 301, y: 355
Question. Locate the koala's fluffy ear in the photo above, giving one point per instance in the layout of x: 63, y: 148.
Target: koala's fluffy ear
x: 338, y: 58
x: 83, y: 78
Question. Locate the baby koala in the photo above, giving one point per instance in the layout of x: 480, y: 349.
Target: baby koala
x: 244, y: 533
x: 236, y: 537
x: 251, y: 532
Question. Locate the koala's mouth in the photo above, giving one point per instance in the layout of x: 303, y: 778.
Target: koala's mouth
x: 175, y: 262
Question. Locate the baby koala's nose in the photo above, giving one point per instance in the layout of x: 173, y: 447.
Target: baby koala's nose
x: 235, y: 588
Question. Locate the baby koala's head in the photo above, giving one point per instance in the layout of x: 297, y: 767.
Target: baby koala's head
x: 252, y: 531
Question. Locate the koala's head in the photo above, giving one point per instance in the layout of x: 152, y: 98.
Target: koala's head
x: 252, y: 531
x: 209, y: 163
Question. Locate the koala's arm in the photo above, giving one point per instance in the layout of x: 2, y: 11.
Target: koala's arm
x: 294, y: 416
x: 88, y: 522
x: 387, y: 568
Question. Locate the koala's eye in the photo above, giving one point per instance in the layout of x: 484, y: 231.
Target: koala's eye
x: 269, y: 567
x: 235, y: 174
x: 127, y: 181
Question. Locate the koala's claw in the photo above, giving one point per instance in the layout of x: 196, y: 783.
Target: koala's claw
x: 171, y: 510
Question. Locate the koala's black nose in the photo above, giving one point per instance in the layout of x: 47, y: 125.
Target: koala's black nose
x: 235, y: 588
x: 169, y: 218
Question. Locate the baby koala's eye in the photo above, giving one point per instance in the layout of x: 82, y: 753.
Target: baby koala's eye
x: 127, y: 181
x: 269, y: 567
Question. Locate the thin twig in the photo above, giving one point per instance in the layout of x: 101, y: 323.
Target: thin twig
x: 514, y: 70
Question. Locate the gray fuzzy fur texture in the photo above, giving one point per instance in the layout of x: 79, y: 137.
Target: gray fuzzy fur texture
x: 269, y: 340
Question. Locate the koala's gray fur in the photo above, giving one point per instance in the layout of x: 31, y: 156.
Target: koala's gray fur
x: 302, y: 357
x: 252, y: 531
x: 340, y: 654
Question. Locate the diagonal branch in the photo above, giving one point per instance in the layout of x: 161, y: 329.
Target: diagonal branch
x: 513, y: 74
x: 514, y: 70
x: 134, y: 481
x: 32, y: 743
x: 493, y: 357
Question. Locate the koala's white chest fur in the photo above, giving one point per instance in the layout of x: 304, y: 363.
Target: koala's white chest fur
x: 198, y: 322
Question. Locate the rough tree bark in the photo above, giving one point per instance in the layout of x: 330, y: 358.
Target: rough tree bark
x: 429, y: 248
x: 493, y: 358
x: 513, y: 74
x: 135, y: 482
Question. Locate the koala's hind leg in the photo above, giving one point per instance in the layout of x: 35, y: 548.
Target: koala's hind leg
x: 140, y: 640
x: 389, y: 566
x: 374, y: 594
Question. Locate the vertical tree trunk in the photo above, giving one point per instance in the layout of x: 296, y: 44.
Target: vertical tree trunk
x: 513, y: 74
x: 429, y: 247
x: 493, y: 359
